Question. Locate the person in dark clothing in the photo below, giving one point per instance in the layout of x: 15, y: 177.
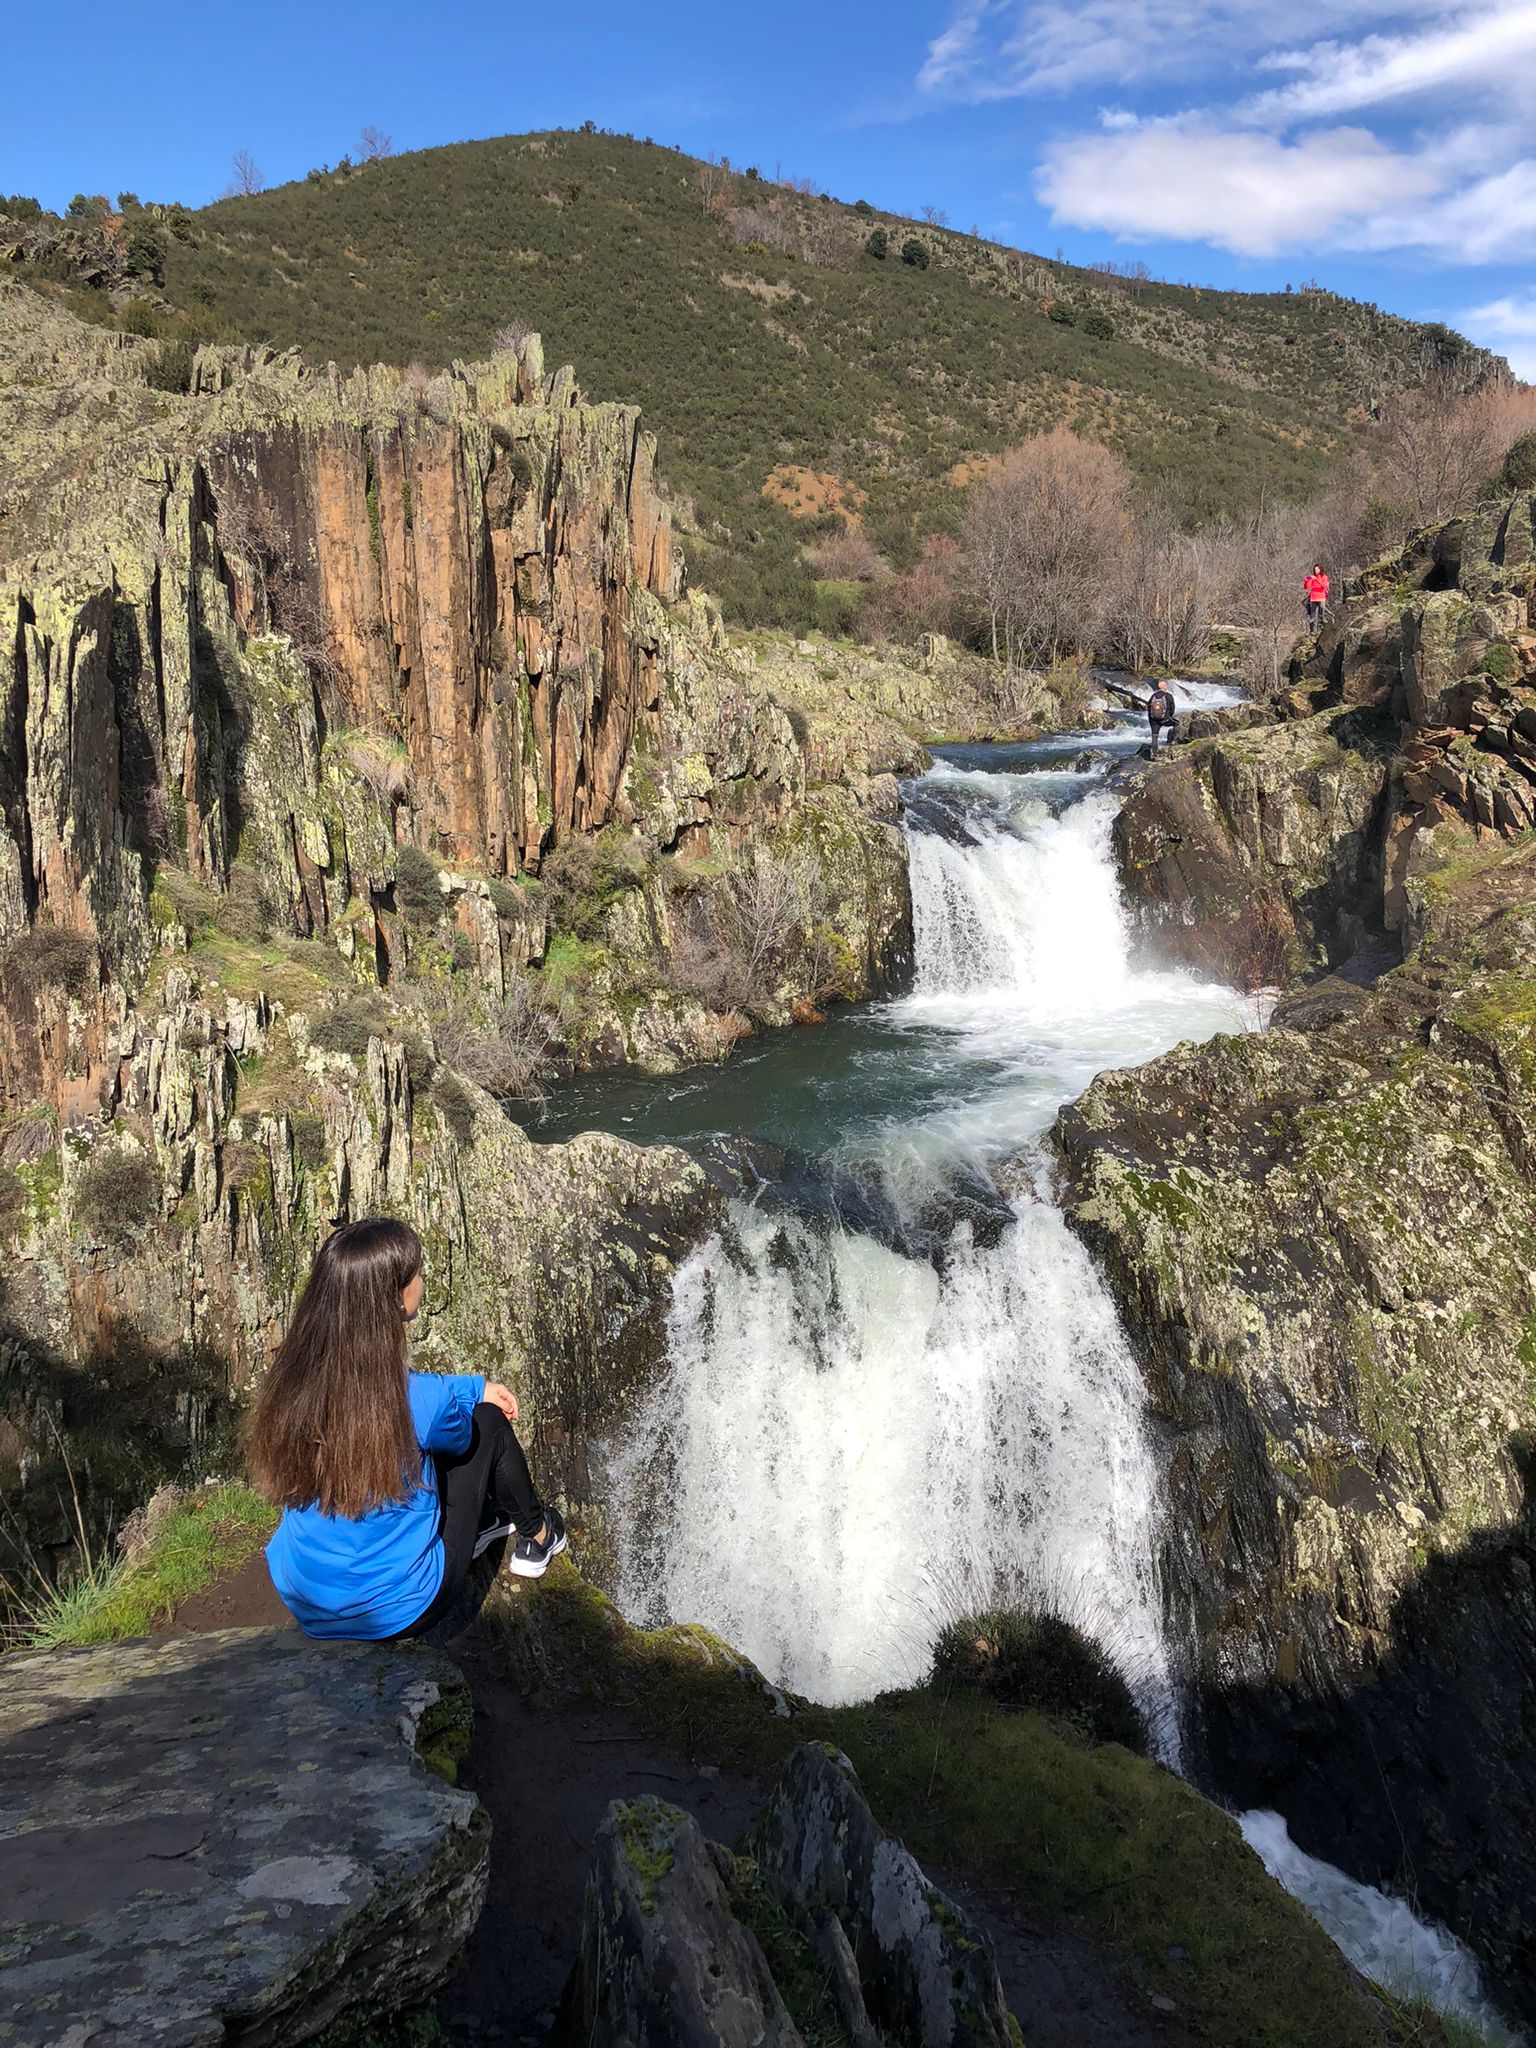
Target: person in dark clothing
x: 1161, y: 713
x: 391, y: 1482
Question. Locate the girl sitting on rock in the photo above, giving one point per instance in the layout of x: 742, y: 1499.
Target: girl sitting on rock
x: 391, y: 1482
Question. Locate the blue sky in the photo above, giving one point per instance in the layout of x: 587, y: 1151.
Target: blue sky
x: 1385, y: 149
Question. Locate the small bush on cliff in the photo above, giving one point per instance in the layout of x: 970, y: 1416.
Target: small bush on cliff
x: 878, y: 245
x: 416, y: 890
x: 350, y: 1026
x: 1519, y: 471
x: 50, y: 957
x: 506, y: 1047
x: 170, y: 367
x: 587, y: 873
x: 1040, y: 1661
x: 914, y: 253
x: 115, y: 1195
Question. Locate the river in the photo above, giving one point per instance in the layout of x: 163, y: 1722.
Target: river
x: 897, y: 1387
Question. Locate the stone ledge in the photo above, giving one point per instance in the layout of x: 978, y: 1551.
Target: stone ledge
x: 228, y: 1836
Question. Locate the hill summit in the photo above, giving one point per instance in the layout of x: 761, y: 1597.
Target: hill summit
x: 811, y: 364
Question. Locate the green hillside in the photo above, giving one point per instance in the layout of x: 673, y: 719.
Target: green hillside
x: 762, y: 337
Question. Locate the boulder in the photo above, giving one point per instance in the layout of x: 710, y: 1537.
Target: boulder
x: 229, y: 1836
x: 926, y: 1973
x: 1255, y: 853
x: 664, y: 1962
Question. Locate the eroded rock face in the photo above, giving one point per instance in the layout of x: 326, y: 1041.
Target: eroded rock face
x: 664, y: 1962
x: 925, y: 1973
x: 264, y: 645
x: 1257, y: 854
x: 231, y: 1835
x: 1320, y: 1240
x: 668, y: 1958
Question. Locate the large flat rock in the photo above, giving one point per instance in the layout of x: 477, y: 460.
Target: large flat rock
x: 227, y: 1837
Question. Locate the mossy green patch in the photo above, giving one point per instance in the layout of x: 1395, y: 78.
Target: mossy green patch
x: 206, y: 1536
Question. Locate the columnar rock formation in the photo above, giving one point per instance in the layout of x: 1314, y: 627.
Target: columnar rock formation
x: 306, y: 679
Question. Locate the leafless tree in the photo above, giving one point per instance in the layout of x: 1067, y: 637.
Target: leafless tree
x: 716, y: 182
x: 373, y: 145
x: 510, y: 337
x: 928, y: 598
x: 1162, y: 591
x: 248, y: 179
x: 1257, y: 569
x: 1441, y: 440
x: 1043, y: 531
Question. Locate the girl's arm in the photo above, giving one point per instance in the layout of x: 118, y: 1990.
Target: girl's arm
x: 443, y: 1407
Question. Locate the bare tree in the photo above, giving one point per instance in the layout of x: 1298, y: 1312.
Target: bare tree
x: 1258, y: 567
x: 373, y: 145
x: 248, y: 179
x: 935, y: 216
x: 716, y: 182
x: 1162, y: 591
x: 1441, y: 440
x: 510, y: 336
x: 1043, y: 531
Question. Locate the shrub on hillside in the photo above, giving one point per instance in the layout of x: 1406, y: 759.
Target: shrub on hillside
x: 170, y: 367
x: 584, y: 875
x: 1099, y: 325
x: 114, y: 1195
x: 915, y: 253
x: 1063, y: 312
x: 878, y: 245
x: 506, y: 1047
x: 1519, y: 471
x: 349, y: 1026
x: 1042, y: 1662
x: 50, y: 957
x: 416, y: 891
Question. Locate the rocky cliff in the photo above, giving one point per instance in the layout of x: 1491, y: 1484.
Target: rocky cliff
x: 1404, y: 745
x: 360, y: 743
x: 1321, y: 1237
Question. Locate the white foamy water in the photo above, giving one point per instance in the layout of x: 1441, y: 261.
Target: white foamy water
x: 860, y: 1449
x: 1381, y: 1936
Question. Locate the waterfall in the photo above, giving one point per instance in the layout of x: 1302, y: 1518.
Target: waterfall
x: 849, y: 1447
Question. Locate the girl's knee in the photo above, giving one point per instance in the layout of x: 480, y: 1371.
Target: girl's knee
x: 490, y: 1421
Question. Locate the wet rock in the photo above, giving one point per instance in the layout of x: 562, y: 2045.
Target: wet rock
x: 1319, y: 1240
x: 1258, y: 853
x: 231, y: 1834
x: 664, y: 1962
x: 926, y: 1974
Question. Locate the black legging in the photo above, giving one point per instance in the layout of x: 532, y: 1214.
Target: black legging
x: 489, y: 1481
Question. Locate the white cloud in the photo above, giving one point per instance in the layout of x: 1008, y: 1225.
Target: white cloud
x: 1488, y: 52
x: 1001, y: 49
x: 1192, y: 180
x: 1489, y: 220
x: 1508, y: 325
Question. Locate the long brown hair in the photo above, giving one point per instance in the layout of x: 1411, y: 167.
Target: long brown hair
x: 332, y: 1426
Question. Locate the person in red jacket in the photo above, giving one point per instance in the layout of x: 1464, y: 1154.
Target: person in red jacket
x: 1316, y: 588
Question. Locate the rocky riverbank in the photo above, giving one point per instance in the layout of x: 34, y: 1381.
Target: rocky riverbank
x: 1320, y: 1237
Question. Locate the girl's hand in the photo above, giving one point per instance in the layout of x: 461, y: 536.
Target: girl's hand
x: 503, y: 1398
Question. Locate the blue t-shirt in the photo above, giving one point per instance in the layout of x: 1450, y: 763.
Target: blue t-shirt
x: 373, y: 1575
